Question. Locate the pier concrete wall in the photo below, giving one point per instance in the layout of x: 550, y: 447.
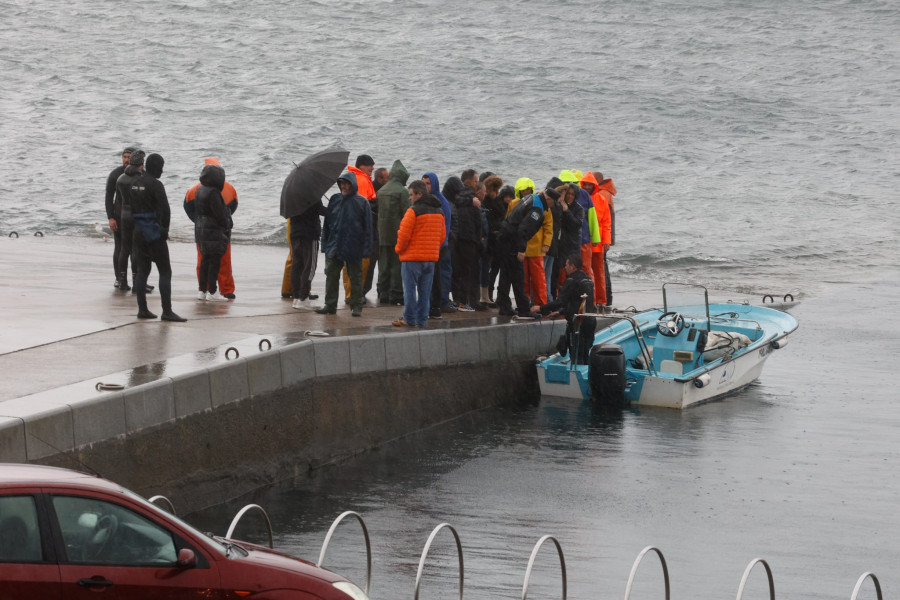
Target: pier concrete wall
x: 201, y: 436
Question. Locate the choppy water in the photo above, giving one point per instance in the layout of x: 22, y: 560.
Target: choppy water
x: 754, y: 146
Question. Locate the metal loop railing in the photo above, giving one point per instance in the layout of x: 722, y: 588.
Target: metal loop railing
x: 534, y: 552
x: 637, y: 562
x: 168, y: 503
x: 862, y: 578
x: 749, y: 568
x: 425, y: 555
x: 241, y: 513
x: 368, y: 544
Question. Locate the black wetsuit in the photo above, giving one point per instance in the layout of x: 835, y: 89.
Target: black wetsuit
x: 113, y: 208
x: 151, y: 215
x: 126, y: 222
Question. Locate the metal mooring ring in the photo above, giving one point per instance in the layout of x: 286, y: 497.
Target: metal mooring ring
x: 38, y: 234
x: 13, y: 233
x: 109, y: 387
x: 228, y: 353
x: 268, y: 344
x: 789, y: 295
x: 769, y: 296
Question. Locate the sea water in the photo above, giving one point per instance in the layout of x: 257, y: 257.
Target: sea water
x: 754, y: 148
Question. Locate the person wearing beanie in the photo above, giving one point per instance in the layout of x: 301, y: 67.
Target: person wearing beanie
x: 114, y: 209
x: 211, y: 230
x: 125, y: 221
x: 229, y: 195
x: 150, y: 208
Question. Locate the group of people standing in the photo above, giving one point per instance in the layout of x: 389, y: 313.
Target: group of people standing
x: 438, y: 249
x: 138, y: 213
x: 518, y: 237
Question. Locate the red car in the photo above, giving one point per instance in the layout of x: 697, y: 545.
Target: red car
x: 65, y: 534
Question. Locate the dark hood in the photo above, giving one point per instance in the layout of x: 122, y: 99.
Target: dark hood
x: 452, y: 188
x: 154, y: 165
x: 399, y: 173
x: 213, y: 176
x: 350, y: 178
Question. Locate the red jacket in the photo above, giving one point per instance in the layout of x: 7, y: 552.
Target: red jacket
x: 601, y: 207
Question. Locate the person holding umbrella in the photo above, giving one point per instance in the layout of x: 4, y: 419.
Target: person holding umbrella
x: 346, y: 239
x: 301, y: 204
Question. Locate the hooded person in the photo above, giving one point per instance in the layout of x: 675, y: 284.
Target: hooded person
x: 443, y: 271
x: 590, y: 184
x: 229, y: 195
x: 608, y: 191
x: 570, y: 230
x: 126, y: 220
x: 590, y: 228
x: 346, y: 240
x: 151, y: 215
x: 304, y: 232
x: 213, y: 221
x: 537, y: 249
x: 113, y: 203
x: 365, y: 166
x: 393, y: 201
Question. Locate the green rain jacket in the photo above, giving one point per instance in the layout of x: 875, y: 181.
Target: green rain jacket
x: 393, y: 200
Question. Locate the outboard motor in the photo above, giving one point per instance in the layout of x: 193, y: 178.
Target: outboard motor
x: 606, y: 375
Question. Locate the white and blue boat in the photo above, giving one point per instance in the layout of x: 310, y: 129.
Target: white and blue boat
x: 686, y: 353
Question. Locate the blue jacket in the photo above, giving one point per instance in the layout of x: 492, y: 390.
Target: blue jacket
x: 347, y: 231
x: 584, y: 199
x: 445, y: 205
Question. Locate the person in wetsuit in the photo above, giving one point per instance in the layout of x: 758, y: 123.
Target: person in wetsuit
x: 151, y: 214
x: 114, y: 209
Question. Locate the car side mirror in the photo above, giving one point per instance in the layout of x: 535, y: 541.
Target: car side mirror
x: 186, y: 559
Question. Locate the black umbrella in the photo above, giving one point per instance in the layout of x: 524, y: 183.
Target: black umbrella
x: 311, y: 179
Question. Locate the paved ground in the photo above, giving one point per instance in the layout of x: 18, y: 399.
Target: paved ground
x: 62, y: 321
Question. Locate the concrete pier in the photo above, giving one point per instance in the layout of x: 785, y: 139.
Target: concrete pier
x: 245, y: 392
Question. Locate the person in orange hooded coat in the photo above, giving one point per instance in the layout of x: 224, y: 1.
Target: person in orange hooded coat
x: 229, y: 194
x: 608, y: 191
x: 598, y: 251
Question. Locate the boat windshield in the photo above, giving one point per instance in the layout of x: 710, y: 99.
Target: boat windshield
x: 692, y: 301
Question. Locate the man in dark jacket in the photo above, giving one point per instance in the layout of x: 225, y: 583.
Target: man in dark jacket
x: 124, y: 213
x: 151, y: 214
x: 576, y: 296
x: 525, y: 220
x: 114, y: 208
x: 392, y: 201
x: 346, y: 239
x: 570, y: 229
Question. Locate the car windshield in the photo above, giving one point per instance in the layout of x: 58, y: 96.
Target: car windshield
x: 220, y: 546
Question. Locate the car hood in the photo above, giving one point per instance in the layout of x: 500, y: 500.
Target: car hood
x: 264, y: 556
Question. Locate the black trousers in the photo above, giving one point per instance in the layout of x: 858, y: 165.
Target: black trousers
x: 466, y: 278
x: 126, y: 229
x: 304, y: 257
x: 209, y: 272
x: 144, y: 254
x: 512, y: 275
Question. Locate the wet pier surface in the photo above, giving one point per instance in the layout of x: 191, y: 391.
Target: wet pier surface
x: 64, y: 322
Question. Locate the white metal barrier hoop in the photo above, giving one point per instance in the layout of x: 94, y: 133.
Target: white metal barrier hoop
x: 862, y: 578
x: 747, y: 575
x: 368, y: 545
x: 534, y: 552
x: 425, y: 555
x: 637, y: 562
x: 240, y: 514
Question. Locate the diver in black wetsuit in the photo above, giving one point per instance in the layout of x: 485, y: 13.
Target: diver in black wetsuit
x: 150, y: 208
x: 114, y: 209
x: 125, y: 220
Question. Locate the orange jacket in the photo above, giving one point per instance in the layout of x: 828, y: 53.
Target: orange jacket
x: 422, y: 231
x: 608, y: 190
x: 229, y: 194
x: 601, y: 207
x: 364, y: 185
